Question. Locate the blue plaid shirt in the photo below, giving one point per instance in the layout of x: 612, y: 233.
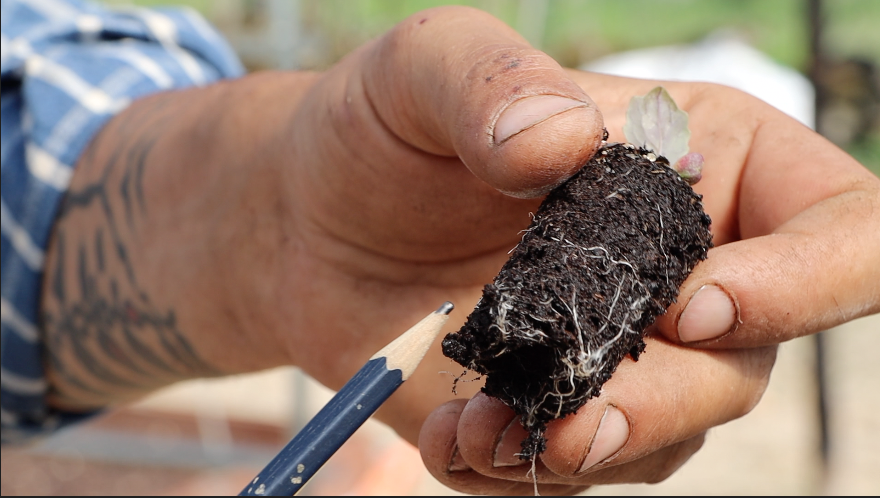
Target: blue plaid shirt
x: 67, y: 68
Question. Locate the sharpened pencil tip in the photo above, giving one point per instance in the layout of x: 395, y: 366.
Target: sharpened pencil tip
x: 445, y: 308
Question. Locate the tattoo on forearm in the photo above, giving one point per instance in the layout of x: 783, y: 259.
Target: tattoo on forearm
x: 104, y: 336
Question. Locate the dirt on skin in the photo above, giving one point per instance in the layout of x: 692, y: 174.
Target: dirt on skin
x: 603, y: 258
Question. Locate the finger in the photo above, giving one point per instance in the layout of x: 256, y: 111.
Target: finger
x: 443, y: 79
x: 810, y: 259
x: 437, y: 444
x: 672, y: 394
x: 820, y: 266
x: 652, y: 469
x: 404, y: 148
x: 442, y: 458
x: 457, y: 81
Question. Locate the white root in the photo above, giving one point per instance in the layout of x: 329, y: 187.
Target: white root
x: 585, y: 361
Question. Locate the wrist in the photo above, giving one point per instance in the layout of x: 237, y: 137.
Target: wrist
x: 254, y: 232
x: 144, y: 264
x: 222, y: 182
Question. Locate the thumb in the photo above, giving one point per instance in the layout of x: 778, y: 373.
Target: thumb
x: 455, y: 81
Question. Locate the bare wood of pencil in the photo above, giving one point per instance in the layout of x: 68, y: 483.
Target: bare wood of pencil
x: 349, y: 409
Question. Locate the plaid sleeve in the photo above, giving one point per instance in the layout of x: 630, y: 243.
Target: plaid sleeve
x: 67, y: 67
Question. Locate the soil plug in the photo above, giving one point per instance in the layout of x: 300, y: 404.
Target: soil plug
x: 604, y: 256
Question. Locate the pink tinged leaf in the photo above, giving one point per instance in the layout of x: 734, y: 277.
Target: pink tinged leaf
x: 690, y: 167
x: 655, y: 122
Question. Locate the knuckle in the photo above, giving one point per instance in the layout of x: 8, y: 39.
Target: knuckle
x: 714, y: 91
x: 759, y: 363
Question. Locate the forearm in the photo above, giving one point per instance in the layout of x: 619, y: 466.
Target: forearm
x: 143, y: 262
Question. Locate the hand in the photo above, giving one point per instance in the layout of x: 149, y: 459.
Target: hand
x: 796, y: 228
x: 322, y: 215
x: 406, y: 215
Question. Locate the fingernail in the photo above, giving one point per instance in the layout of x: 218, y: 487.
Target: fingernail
x: 510, y: 446
x: 525, y: 113
x: 457, y: 463
x: 612, y: 434
x: 710, y: 314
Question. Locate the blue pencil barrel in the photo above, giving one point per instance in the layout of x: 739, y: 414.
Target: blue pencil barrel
x: 327, y: 431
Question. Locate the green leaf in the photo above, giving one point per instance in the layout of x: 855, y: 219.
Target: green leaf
x: 656, y: 123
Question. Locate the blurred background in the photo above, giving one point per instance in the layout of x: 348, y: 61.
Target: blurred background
x: 817, y: 430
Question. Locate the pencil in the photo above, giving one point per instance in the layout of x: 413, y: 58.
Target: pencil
x: 349, y: 409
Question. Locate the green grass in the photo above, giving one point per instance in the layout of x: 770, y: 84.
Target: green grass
x: 867, y: 152
x: 578, y: 30
x: 854, y: 29
x: 599, y: 27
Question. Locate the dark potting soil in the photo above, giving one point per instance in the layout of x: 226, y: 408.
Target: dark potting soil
x: 603, y: 258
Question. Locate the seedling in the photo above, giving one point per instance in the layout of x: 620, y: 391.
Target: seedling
x: 604, y: 257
